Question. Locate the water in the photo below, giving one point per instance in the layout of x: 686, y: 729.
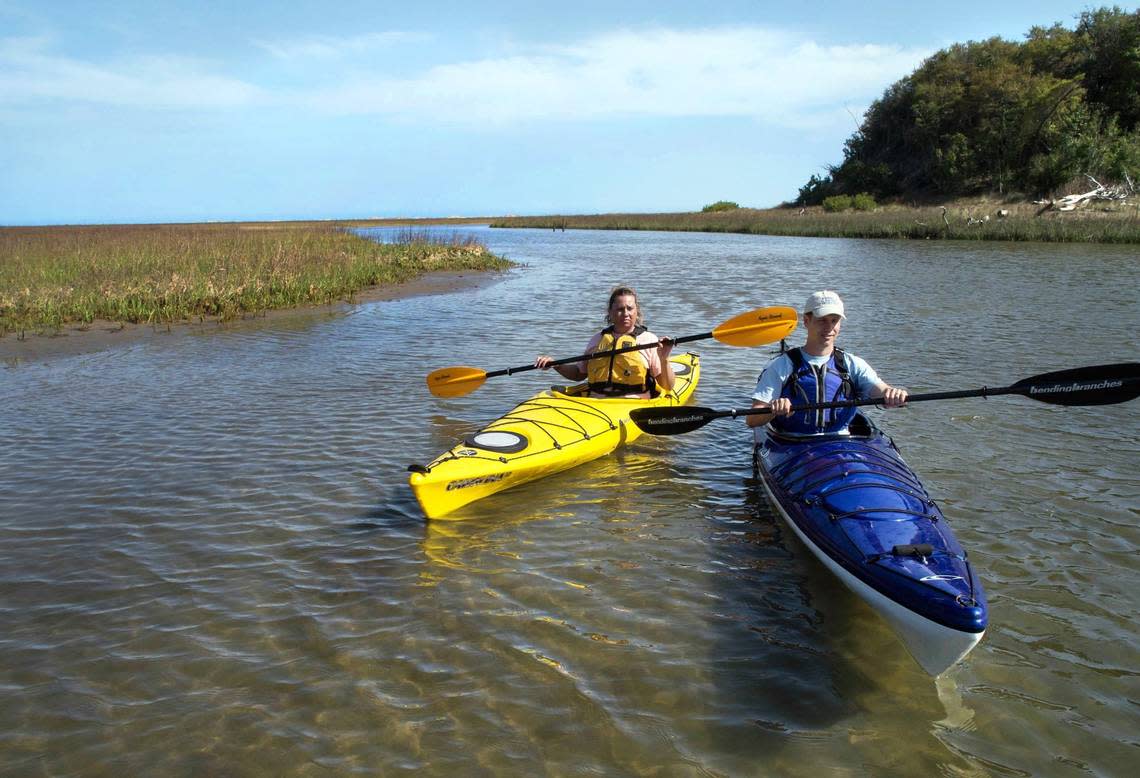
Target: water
x: 211, y: 564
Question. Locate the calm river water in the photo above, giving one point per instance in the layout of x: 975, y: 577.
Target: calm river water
x: 211, y: 563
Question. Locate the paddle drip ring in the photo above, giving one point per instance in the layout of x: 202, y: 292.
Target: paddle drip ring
x: 499, y: 442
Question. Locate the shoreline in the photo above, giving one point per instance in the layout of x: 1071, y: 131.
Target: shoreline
x: 979, y: 218
x: 102, y: 335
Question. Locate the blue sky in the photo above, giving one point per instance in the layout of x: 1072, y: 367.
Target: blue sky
x: 164, y: 111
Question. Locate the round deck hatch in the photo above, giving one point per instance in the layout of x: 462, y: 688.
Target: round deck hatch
x: 499, y: 442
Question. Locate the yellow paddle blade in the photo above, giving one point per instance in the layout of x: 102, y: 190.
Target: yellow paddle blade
x: 756, y: 328
x: 455, y: 381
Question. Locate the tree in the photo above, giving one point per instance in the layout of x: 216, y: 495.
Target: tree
x: 815, y: 191
x: 1109, y: 40
x: 997, y: 115
x: 720, y: 205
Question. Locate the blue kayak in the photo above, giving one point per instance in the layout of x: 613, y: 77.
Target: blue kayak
x: 856, y: 505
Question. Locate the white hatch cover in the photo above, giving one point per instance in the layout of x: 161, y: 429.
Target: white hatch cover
x: 501, y: 442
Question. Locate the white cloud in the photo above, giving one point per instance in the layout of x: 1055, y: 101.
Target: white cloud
x: 329, y: 47
x: 740, y: 71
x: 29, y: 74
x: 718, y: 72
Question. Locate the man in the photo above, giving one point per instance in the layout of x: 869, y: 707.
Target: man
x: 818, y: 372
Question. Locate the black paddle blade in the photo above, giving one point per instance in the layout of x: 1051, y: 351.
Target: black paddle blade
x: 672, y: 421
x: 1095, y: 385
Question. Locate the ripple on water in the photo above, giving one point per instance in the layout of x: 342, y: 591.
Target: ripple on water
x: 211, y: 562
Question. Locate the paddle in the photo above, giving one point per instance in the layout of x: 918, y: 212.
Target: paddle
x: 1095, y: 385
x: 755, y: 328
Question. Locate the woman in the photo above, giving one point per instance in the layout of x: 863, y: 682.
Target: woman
x: 631, y: 374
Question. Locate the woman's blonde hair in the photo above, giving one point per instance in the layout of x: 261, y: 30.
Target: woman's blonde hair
x: 621, y: 291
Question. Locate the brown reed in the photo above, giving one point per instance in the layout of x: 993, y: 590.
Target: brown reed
x: 1116, y: 223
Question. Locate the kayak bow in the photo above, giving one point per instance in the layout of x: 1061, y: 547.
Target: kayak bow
x: 862, y: 511
x: 552, y: 431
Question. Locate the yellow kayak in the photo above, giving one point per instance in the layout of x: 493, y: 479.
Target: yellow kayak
x: 552, y: 431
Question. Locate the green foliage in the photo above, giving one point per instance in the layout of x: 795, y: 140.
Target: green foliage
x: 720, y: 205
x: 1109, y: 41
x: 815, y: 190
x: 51, y: 276
x: 996, y: 115
x: 860, y: 202
x: 837, y: 203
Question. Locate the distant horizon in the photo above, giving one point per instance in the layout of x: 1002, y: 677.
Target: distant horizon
x: 141, y: 113
x: 478, y: 217
x: 286, y: 220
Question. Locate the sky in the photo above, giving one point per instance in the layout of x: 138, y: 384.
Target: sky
x: 160, y: 111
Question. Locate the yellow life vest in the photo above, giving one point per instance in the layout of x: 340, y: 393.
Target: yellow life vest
x: 618, y: 374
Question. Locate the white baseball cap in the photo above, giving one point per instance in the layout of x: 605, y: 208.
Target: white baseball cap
x: 824, y: 303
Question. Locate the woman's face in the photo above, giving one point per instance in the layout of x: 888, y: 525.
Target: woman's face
x: 623, y: 313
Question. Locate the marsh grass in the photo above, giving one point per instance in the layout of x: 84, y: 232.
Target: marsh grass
x: 1119, y: 223
x: 55, y: 276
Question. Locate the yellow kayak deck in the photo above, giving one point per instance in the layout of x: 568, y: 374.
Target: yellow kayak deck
x: 553, y: 431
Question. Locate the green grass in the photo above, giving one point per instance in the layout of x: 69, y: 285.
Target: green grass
x: 54, y: 276
x: 1119, y: 223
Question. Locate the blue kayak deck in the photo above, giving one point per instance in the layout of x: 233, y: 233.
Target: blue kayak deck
x: 857, y: 500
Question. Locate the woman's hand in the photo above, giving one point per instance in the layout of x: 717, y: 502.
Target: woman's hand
x: 543, y: 362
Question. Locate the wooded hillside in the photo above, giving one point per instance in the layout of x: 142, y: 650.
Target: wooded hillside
x: 1005, y: 117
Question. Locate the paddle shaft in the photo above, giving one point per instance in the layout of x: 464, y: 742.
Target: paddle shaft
x: 754, y: 328
x: 1093, y: 385
x: 985, y: 391
x: 596, y: 355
